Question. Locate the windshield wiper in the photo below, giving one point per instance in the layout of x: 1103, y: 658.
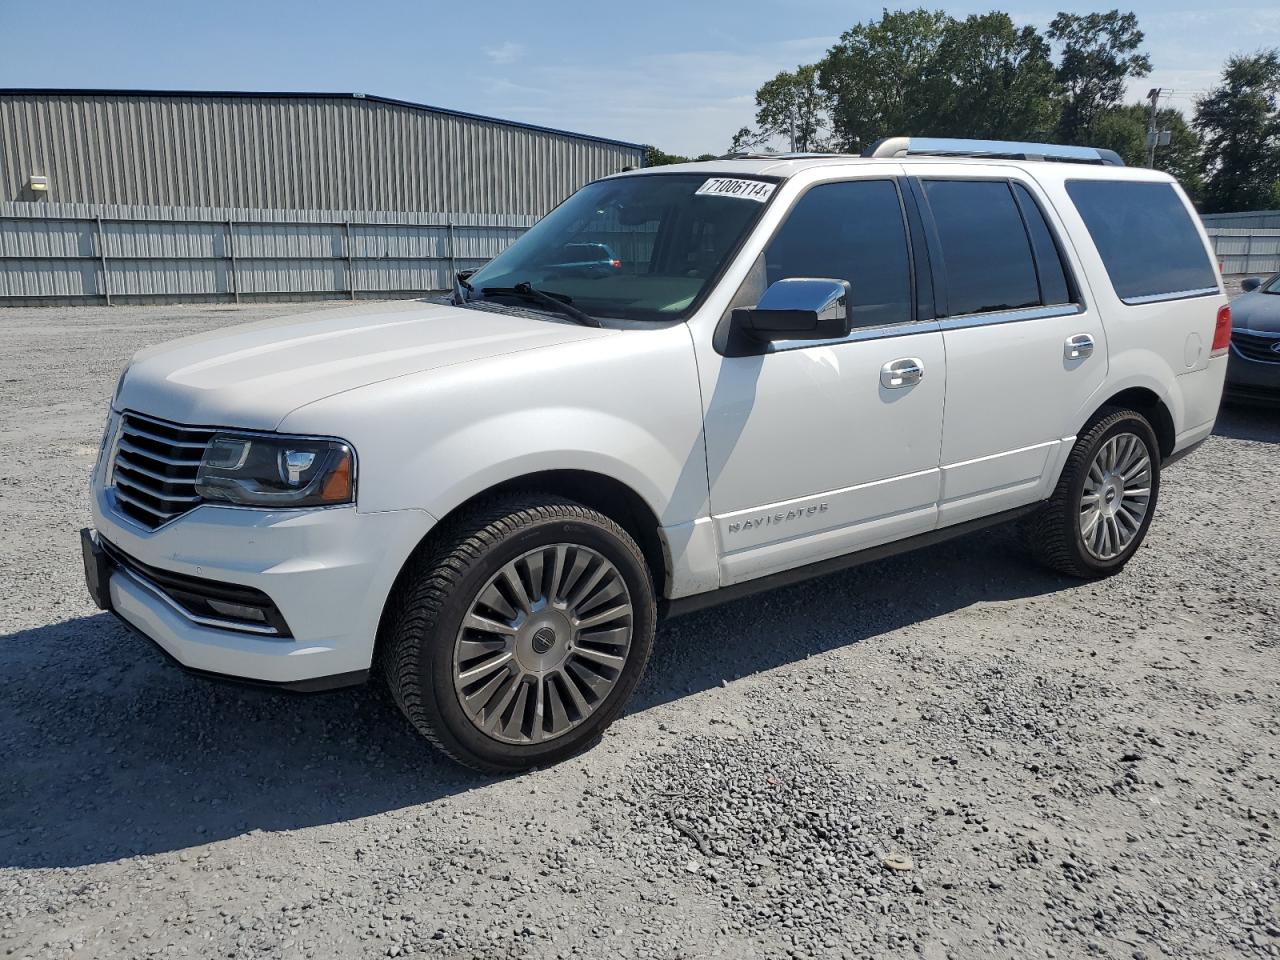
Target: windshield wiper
x: 460, y: 284
x: 559, y: 302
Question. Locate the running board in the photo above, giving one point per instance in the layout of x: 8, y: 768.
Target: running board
x: 713, y: 598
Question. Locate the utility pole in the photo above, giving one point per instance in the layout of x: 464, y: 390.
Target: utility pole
x: 1152, y: 136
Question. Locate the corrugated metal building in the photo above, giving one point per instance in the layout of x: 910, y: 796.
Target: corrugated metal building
x: 295, y: 151
x: 172, y: 196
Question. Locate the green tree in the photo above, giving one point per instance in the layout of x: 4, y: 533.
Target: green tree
x: 1124, y: 130
x: 991, y: 79
x: 1099, y: 53
x: 1240, y: 122
x: 791, y: 107
x: 653, y: 157
x: 745, y: 140
x: 877, y: 76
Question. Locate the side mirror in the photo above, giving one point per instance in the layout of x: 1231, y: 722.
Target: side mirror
x: 1250, y: 284
x: 801, y: 308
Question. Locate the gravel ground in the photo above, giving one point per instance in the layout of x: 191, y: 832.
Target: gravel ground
x: 949, y: 754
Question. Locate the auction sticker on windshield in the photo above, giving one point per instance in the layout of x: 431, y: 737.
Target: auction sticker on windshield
x: 758, y: 190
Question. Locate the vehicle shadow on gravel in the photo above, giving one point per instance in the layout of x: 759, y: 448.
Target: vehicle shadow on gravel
x: 1241, y: 422
x: 767, y: 630
x: 111, y: 752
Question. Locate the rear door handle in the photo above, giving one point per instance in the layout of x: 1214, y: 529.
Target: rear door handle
x: 1078, y: 347
x: 901, y: 373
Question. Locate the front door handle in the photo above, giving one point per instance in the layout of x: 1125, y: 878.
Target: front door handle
x: 1078, y: 347
x: 901, y: 373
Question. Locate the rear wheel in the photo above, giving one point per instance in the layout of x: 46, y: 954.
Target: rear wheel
x: 1102, y: 507
x: 520, y: 632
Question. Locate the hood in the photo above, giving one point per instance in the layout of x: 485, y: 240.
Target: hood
x: 1256, y: 311
x: 252, y: 376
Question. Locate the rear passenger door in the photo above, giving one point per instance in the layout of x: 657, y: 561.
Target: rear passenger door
x: 1025, y: 352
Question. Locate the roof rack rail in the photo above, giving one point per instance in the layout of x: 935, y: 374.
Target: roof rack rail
x: 765, y: 155
x: 992, y: 149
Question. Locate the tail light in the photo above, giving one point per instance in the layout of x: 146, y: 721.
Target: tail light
x: 1222, y: 332
x: 616, y: 264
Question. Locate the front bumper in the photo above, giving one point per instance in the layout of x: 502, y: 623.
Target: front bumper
x: 326, y: 572
x: 1252, y: 380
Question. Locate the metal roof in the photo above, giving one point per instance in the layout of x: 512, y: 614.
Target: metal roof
x: 296, y: 95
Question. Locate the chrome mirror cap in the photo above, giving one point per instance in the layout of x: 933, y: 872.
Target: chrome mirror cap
x: 829, y: 299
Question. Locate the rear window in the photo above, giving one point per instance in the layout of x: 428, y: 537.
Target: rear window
x: 1147, y: 240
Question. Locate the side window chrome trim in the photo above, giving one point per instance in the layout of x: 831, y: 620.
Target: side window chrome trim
x: 1009, y: 316
x: 859, y: 334
x: 1172, y: 295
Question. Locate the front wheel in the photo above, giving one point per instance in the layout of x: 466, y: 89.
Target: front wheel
x: 519, y: 632
x: 1102, y: 507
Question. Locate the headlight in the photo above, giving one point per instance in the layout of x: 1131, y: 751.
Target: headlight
x: 262, y: 471
x: 108, y: 441
x: 115, y: 397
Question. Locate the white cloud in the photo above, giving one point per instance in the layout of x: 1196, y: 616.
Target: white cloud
x: 506, y: 52
x: 693, y: 102
x: 687, y: 102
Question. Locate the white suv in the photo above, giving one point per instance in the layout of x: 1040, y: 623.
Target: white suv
x: 786, y: 365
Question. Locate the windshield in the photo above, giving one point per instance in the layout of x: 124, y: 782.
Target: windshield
x: 638, y: 248
x: 1273, y: 286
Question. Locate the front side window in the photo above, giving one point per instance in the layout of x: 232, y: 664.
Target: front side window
x: 852, y: 230
x: 643, y: 247
x: 985, y: 251
x: 1145, y: 236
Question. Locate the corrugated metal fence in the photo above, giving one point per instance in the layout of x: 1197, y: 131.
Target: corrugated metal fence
x: 1247, y: 242
x: 1252, y: 252
x: 54, y: 253
x: 98, y: 253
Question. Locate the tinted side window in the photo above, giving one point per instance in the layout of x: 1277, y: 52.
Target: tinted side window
x: 1053, y: 275
x: 984, y: 246
x: 1145, y: 237
x: 849, y: 231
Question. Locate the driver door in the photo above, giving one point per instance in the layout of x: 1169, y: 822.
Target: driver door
x: 815, y: 449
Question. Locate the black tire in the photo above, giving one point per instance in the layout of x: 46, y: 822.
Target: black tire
x: 436, y: 590
x: 1053, y: 532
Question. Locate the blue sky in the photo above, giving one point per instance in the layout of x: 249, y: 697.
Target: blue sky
x: 677, y: 74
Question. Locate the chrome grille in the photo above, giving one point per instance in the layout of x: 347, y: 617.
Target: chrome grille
x: 155, y: 467
x: 1256, y: 346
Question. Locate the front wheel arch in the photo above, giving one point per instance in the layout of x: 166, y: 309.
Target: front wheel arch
x: 600, y: 492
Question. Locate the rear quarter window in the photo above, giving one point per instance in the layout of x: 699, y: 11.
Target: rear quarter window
x: 1145, y: 236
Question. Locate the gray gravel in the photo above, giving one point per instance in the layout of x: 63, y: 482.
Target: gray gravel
x: 949, y: 754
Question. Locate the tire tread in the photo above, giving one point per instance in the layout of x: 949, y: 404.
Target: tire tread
x: 435, y: 572
x: 1049, y: 532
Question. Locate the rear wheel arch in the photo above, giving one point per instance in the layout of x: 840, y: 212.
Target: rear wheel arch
x: 1147, y: 402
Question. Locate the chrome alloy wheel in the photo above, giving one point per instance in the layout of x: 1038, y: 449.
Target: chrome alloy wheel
x: 543, y: 644
x: 1117, y: 495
